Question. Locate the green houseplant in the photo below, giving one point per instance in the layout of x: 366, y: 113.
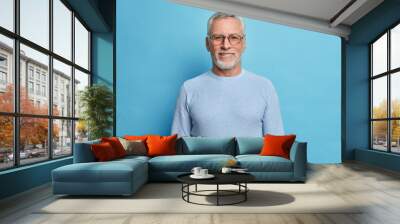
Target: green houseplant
x: 96, y: 102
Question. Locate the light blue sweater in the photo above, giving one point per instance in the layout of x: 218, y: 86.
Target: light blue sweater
x: 213, y: 106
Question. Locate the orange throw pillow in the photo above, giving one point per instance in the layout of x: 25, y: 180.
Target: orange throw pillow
x: 116, y: 145
x: 103, y: 151
x: 161, y: 145
x: 277, y: 145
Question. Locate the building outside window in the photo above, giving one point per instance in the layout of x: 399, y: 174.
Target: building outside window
x: 58, y: 133
x: 3, y: 72
x: 385, y: 91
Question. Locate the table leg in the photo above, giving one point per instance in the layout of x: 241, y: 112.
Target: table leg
x: 245, y: 193
x: 196, y: 188
x: 217, y: 194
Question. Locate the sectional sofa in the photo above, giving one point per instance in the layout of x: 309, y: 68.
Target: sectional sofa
x: 125, y: 176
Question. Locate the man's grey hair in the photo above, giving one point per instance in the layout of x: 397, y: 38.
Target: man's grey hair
x: 220, y: 15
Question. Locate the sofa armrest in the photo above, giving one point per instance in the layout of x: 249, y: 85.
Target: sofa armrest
x: 298, y: 155
x: 83, y: 152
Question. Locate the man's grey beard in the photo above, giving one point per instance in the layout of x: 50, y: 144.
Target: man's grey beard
x: 226, y: 66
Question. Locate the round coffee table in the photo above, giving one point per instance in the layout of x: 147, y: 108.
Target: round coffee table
x: 238, y: 179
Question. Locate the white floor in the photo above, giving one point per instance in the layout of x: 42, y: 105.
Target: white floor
x: 377, y: 189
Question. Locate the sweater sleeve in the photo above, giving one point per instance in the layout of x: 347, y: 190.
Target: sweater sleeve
x: 272, y: 119
x: 181, y: 124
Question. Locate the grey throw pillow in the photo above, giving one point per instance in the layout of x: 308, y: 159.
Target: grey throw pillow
x: 134, y: 147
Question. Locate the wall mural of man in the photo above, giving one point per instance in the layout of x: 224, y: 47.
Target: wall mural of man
x: 227, y: 100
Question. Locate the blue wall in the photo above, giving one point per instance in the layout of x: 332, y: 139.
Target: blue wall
x: 161, y: 44
x: 24, y: 178
x: 357, y: 84
x: 102, y: 58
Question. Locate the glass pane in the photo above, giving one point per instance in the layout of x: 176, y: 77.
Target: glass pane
x: 81, y: 45
x: 35, y: 21
x: 62, y: 29
x: 62, y: 89
x: 33, y: 139
x: 6, y: 142
x: 379, y: 55
x: 395, y: 94
x: 34, y: 82
x: 379, y: 135
x: 81, y: 131
x: 379, y: 100
x: 6, y: 74
x: 7, y: 14
x: 395, y: 136
x: 81, y: 81
x: 62, y: 138
x: 395, y: 47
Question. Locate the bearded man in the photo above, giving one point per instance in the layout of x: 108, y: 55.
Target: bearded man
x: 227, y: 101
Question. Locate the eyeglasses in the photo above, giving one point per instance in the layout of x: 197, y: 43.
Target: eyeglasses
x: 234, y: 39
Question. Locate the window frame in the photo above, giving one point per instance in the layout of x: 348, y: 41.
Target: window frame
x: 388, y: 74
x: 16, y: 115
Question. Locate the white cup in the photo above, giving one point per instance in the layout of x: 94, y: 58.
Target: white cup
x: 203, y: 172
x: 226, y: 170
x: 196, y: 170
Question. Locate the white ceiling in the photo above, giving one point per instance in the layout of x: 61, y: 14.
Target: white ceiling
x: 326, y: 16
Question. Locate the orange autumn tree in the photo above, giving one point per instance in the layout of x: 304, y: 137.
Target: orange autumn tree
x: 380, y: 128
x: 34, y: 130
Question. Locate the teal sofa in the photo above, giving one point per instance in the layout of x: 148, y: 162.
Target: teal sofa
x: 125, y: 176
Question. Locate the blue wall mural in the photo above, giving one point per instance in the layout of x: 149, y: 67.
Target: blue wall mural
x: 162, y: 44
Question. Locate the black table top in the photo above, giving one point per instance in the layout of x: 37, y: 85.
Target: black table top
x: 220, y: 178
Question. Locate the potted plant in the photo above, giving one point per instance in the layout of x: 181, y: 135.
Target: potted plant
x: 96, y: 102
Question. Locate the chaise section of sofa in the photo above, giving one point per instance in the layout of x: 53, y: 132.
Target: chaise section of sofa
x: 87, y: 177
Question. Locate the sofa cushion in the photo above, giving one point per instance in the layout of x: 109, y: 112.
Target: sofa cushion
x: 161, y: 145
x: 257, y: 163
x: 277, y: 145
x: 103, y: 152
x: 83, y: 152
x: 111, y: 171
x: 134, y: 147
x: 249, y: 145
x: 185, y: 163
x: 116, y: 145
x: 207, y: 145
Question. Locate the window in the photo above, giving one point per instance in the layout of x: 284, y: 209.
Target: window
x: 38, y: 74
x: 43, y: 90
x: 385, y: 91
x: 44, y: 131
x: 7, y: 14
x: 62, y: 29
x: 30, y: 87
x: 35, y: 21
x: 6, y: 73
x: 30, y: 72
x: 3, y: 78
x: 38, y: 89
x: 3, y: 61
x: 62, y: 74
x: 81, y: 45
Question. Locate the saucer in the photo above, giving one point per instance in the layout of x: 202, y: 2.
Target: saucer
x: 208, y: 176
